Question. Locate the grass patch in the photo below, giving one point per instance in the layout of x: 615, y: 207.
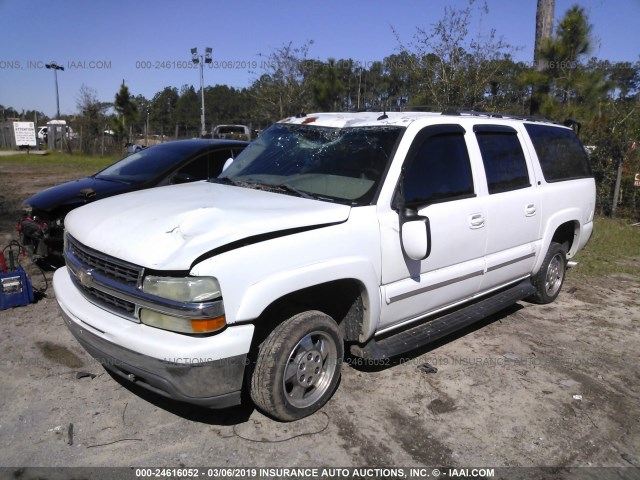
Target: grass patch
x: 60, y: 162
x: 614, y: 248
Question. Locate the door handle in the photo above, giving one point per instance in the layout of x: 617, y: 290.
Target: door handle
x: 530, y: 210
x: 476, y: 221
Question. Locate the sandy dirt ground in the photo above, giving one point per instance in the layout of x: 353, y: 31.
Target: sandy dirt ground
x: 555, y: 385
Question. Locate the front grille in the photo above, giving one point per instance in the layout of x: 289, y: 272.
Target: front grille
x: 109, y: 302
x: 108, y: 266
x: 116, y: 286
x: 123, y: 273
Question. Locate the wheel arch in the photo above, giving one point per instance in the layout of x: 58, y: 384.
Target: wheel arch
x: 563, y: 228
x: 345, y: 300
x: 566, y: 234
x: 308, y: 285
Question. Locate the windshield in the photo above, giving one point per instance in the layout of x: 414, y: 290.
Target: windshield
x: 344, y: 165
x: 145, y: 164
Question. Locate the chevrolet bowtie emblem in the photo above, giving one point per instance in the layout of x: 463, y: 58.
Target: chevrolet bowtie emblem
x: 85, y: 277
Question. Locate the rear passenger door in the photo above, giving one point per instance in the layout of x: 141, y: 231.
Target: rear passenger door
x: 513, y: 206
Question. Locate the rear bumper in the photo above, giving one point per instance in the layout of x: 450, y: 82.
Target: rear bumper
x: 187, y: 369
x: 585, y: 236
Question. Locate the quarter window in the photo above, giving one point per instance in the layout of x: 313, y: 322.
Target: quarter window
x: 561, y: 154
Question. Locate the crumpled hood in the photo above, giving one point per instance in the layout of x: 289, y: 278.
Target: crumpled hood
x: 69, y: 193
x: 167, y: 228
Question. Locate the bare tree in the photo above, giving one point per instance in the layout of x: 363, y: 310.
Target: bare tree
x: 456, y: 67
x: 91, y: 121
x: 283, y: 88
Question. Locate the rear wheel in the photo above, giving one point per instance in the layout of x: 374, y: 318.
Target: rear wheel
x: 298, y: 366
x: 548, y: 281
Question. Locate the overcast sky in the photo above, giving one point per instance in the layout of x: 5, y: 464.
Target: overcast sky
x: 147, y: 43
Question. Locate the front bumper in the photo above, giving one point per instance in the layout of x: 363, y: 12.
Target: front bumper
x: 206, y: 371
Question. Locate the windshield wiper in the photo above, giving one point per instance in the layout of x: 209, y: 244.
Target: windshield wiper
x: 289, y: 188
x: 230, y: 181
x: 284, y: 187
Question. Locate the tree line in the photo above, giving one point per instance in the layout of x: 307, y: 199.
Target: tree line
x: 440, y: 68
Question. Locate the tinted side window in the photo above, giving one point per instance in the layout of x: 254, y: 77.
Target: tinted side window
x: 438, y: 170
x: 218, y: 159
x: 561, y: 154
x: 504, y: 162
x: 197, y: 169
x: 208, y: 165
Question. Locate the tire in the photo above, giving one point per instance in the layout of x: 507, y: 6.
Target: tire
x: 548, y: 281
x: 298, y: 366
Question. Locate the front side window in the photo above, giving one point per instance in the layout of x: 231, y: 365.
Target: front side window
x: 438, y: 168
x: 333, y: 164
x: 504, y: 163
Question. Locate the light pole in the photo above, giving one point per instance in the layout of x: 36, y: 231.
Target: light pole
x: 201, y: 60
x: 55, y: 67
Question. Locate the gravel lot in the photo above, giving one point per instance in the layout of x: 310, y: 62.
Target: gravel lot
x: 555, y: 386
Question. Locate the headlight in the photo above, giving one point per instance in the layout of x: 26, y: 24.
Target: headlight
x: 27, y: 209
x: 183, y: 289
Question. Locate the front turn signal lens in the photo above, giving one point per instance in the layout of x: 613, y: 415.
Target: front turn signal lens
x: 181, y: 325
x: 206, y: 325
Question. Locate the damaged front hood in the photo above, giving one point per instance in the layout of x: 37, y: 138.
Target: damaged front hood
x: 167, y: 228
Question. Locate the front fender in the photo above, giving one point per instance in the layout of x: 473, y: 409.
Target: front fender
x: 260, y: 295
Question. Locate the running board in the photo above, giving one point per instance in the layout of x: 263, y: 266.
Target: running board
x: 439, y: 327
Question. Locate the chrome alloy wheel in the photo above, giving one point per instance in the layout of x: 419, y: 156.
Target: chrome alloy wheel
x: 555, y: 275
x: 310, y: 369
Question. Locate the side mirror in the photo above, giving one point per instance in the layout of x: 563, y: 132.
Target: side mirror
x: 415, y: 230
x: 227, y: 163
x: 415, y: 234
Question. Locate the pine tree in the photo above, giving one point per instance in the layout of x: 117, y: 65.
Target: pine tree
x: 126, y: 109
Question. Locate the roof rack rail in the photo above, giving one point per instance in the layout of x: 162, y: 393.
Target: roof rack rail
x: 478, y: 113
x: 419, y: 108
x: 529, y: 118
x: 573, y: 124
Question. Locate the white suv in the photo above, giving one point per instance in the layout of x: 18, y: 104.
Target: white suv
x: 373, y: 232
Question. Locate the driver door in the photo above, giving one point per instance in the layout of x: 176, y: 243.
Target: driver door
x: 437, y: 183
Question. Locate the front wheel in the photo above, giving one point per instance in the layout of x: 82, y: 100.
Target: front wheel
x: 298, y: 366
x: 548, y: 281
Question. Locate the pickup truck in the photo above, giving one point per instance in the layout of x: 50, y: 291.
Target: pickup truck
x: 372, y: 233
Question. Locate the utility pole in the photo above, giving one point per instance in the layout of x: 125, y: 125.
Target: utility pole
x: 616, y: 190
x: 544, y: 31
x: 201, y: 60
x: 55, y: 67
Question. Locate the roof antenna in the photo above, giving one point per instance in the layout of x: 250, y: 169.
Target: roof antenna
x: 384, y: 114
